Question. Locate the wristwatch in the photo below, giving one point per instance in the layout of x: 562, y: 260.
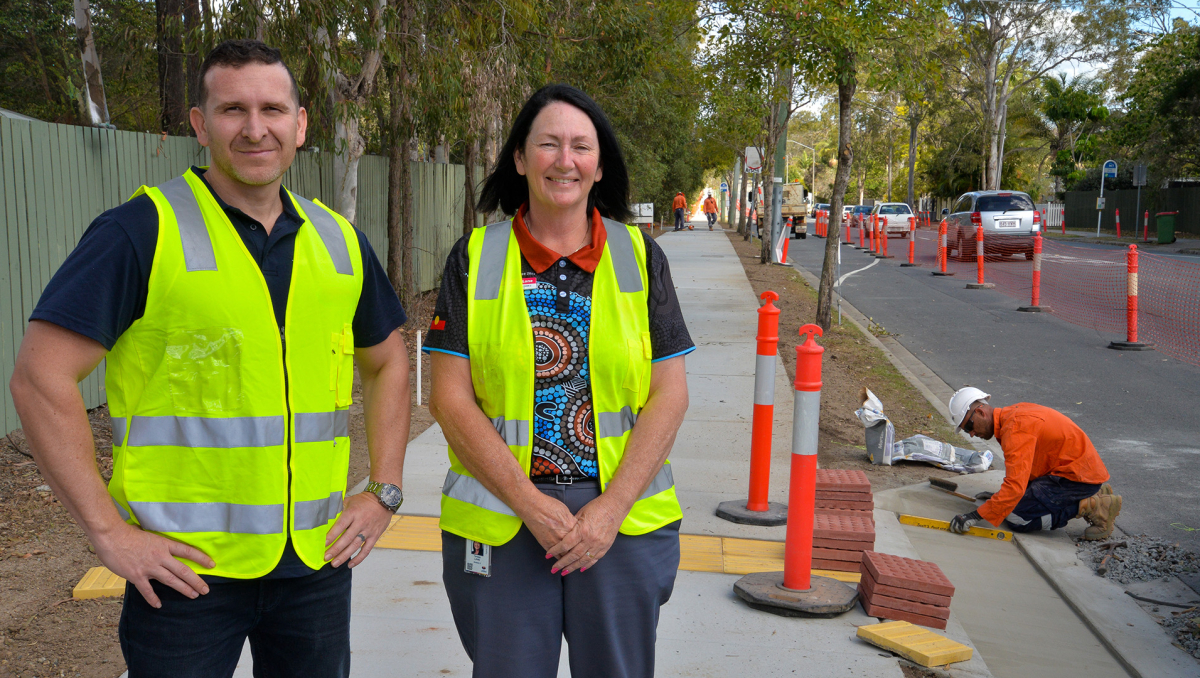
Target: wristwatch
x: 389, y: 495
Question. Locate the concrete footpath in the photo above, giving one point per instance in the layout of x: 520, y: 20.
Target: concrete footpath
x: 1019, y: 625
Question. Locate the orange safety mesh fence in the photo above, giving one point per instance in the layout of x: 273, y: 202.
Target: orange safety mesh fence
x: 1085, y: 286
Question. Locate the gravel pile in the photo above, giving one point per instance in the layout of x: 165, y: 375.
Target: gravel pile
x: 1185, y: 627
x: 1142, y: 558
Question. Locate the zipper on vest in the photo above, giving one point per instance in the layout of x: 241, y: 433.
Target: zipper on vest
x: 287, y: 408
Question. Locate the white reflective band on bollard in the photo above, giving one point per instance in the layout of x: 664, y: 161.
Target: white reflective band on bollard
x: 806, y: 416
x: 764, y: 380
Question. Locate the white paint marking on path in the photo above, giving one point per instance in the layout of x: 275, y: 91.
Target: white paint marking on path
x: 860, y: 270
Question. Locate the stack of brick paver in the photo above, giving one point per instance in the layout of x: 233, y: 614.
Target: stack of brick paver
x: 844, y: 492
x: 839, y: 541
x: 902, y: 588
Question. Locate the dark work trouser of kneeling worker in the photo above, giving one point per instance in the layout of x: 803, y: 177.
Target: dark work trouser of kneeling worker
x: 1050, y: 502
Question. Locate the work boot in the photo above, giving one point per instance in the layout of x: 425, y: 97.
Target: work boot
x: 1101, y: 511
x: 1106, y: 489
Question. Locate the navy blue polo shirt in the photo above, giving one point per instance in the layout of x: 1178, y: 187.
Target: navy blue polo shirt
x: 101, y: 288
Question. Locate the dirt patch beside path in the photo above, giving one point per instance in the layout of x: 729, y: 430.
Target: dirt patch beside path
x: 43, y: 553
x: 850, y: 363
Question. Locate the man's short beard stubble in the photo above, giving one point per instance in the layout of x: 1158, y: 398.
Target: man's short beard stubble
x: 228, y: 169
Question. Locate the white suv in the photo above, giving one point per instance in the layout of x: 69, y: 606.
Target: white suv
x: 893, y: 217
x: 1009, y: 220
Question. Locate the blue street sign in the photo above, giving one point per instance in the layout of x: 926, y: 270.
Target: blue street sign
x: 1110, y: 169
x: 724, y: 186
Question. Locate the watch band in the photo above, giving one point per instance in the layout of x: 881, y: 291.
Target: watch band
x: 380, y: 489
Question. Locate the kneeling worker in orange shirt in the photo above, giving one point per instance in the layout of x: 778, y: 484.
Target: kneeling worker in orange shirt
x: 1052, y: 471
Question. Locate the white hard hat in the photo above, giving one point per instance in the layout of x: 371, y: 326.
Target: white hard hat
x: 961, y: 401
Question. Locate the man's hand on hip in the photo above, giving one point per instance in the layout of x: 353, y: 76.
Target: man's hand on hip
x: 140, y: 556
x: 362, y: 522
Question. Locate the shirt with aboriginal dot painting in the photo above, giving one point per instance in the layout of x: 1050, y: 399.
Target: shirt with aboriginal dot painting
x: 560, y: 308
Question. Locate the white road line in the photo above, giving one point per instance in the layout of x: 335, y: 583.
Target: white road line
x: 839, y: 280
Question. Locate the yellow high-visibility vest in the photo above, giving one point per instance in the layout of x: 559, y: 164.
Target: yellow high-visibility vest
x: 500, y: 342
x: 231, y: 433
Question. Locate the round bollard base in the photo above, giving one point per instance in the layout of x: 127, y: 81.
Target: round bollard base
x: 1035, y: 309
x: 1132, y: 345
x: 827, y: 597
x: 736, y: 512
x: 906, y: 265
x: 980, y: 286
x: 884, y: 256
x: 947, y: 273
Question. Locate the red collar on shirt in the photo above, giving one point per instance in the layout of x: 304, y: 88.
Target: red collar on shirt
x: 541, y: 257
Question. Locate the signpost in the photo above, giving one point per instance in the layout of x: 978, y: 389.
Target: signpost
x: 724, y: 187
x: 1109, y: 172
x: 1139, y: 180
x: 753, y: 160
x: 643, y: 212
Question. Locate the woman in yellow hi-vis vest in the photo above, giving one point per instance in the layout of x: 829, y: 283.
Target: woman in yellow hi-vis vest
x: 559, y: 382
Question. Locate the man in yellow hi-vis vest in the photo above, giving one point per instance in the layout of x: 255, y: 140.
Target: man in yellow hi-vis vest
x: 231, y: 313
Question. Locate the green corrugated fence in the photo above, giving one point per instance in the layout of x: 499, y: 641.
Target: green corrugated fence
x: 54, y: 179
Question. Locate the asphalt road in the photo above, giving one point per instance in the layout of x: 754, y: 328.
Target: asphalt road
x: 1139, y: 408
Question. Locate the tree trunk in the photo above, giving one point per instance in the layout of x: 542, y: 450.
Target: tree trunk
x: 741, y: 200
x: 891, y: 147
x: 172, y: 95
x: 194, y: 43
x: 97, y: 104
x: 1001, y: 138
x: 768, y: 185
x: 913, y: 124
x: 400, y: 267
x: 841, y: 180
x: 470, y: 157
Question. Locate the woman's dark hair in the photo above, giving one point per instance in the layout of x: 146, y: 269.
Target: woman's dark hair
x: 507, y: 190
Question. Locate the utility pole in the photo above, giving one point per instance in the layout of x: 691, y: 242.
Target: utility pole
x: 97, y: 104
x: 777, y: 181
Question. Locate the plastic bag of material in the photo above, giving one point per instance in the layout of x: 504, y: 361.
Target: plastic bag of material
x: 943, y: 455
x: 879, y: 429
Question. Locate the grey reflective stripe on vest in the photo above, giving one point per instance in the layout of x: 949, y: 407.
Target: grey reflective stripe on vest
x: 615, y: 424
x: 663, y: 481
x: 316, y: 512
x: 197, y: 246
x: 471, y: 491
x: 625, y: 264
x: 120, y: 509
x: 318, y: 427
x: 492, y: 256
x: 206, y: 432
x: 209, y: 517
x: 118, y: 430
x: 514, y: 432
x: 331, y: 234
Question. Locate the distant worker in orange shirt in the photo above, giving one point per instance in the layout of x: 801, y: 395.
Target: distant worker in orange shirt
x: 680, y: 207
x: 710, y: 210
x: 1052, y: 471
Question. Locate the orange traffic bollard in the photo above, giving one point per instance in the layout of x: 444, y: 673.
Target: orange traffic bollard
x: 1131, y: 342
x: 1117, y: 211
x: 883, y: 240
x: 912, y: 242
x: 757, y: 510
x: 979, y: 283
x: 942, y: 250
x: 1035, y: 293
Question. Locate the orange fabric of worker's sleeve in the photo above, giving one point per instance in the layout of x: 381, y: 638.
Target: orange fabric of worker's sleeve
x: 1039, y: 441
x: 680, y: 202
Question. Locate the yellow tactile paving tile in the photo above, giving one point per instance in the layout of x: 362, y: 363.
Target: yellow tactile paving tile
x: 99, y: 582
x: 700, y: 553
x: 915, y: 643
x: 412, y: 533
x: 697, y: 553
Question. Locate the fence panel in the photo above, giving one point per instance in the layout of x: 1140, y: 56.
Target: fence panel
x: 55, y: 179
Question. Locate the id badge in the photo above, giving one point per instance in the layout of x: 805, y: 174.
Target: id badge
x: 529, y: 282
x: 479, y: 559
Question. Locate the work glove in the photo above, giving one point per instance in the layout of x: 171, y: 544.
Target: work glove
x: 964, y: 521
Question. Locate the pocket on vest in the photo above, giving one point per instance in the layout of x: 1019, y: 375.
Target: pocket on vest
x: 204, y: 368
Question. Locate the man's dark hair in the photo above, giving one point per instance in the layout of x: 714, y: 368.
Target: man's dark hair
x: 238, y: 53
x: 508, y: 190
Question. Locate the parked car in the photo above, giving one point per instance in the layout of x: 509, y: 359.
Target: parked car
x: 893, y: 217
x: 858, y: 215
x: 1008, y: 218
x: 820, y: 207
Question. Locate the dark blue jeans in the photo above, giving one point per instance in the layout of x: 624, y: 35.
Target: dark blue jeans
x: 297, y: 627
x: 1049, y: 503
x: 680, y: 222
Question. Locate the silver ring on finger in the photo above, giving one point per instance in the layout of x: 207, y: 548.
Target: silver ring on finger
x: 588, y: 554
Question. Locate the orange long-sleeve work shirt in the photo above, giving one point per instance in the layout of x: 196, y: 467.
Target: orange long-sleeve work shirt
x: 710, y: 205
x: 679, y: 203
x: 1039, y: 441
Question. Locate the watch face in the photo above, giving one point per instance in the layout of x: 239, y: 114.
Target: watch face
x: 390, y: 495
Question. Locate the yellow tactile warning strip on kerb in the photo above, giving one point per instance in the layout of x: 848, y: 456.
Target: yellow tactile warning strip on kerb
x: 915, y: 643
x: 697, y: 553
x: 99, y: 582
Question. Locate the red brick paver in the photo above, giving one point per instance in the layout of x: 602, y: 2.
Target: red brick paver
x: 854, y: 528
x: 844, y: 544
x: 858, y: 505
x: 936, y: 611
x: 844, y: 496
x: 843, y: 480
x: 837, y: 554
x: 889, y: 613
x: 906, y: 573
x: 872, y: 587
x: 836, y: 565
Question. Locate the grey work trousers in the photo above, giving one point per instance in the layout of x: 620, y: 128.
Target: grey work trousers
x: 513, y: 622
